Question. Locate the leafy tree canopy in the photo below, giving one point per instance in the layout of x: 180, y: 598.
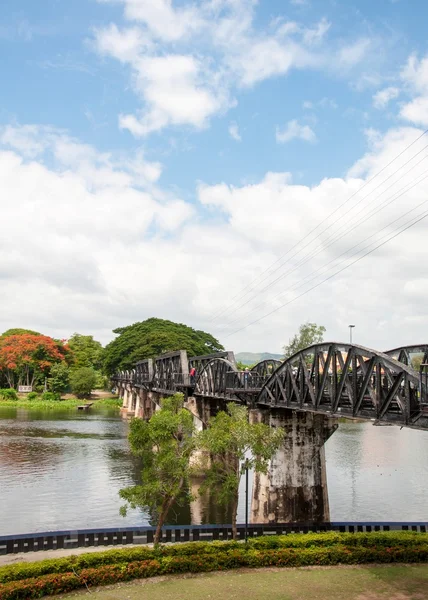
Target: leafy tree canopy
x: 86, y: 351
x: 165, y: 444
x: 234, y: 444
x: 26, y: 358
x: 19, y: 331
x: 83, y: 381
x: 309, y: 334
x: 153, y: 337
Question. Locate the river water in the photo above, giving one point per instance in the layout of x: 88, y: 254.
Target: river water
x: 63, y: 470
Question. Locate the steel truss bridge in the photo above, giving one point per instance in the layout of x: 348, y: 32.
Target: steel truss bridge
x: 336, y: 379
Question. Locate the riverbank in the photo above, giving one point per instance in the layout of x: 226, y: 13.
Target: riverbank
x: 398, y: 582
x: 67, y: 403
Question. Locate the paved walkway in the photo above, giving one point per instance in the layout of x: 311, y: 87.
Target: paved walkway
x: 10, y: 559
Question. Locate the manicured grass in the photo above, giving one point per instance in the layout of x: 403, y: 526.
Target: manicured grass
x: 68, y: 404
x: 330, y: 583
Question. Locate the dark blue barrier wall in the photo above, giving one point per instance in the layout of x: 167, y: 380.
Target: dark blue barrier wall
x: 52, y: 540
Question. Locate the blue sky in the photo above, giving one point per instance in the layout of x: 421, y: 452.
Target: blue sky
x: 156, y: 109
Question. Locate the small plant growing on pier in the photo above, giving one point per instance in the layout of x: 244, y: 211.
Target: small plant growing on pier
x: 165, y: 444
x: 234, y: 444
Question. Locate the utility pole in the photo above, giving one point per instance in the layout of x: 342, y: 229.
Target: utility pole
x: 350, y: 332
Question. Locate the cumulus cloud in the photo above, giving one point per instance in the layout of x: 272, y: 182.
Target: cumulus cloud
x: 91, y: 241
x: 188, y: 61
x: 382, y: 98
x: 415, y: 78
x: 177, y: 92
x: 294, y: 130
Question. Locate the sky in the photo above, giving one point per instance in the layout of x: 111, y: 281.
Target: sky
x: 240, y: 166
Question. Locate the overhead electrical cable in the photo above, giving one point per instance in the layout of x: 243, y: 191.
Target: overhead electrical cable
x: 239, y: 294
x: 335, y: 237
x: 314, y: 274
x: 408, y: 226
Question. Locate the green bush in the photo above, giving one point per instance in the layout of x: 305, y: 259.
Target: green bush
x: 32, y: 396
x: 8, y: 394
x: 50, y: 397
x: 83, y: 381
x: 309, y: 547
x: 59, y: 379
x: 228, y: 556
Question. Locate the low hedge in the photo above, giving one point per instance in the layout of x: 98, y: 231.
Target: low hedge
x: 55, y: 583
x: 352, y: 541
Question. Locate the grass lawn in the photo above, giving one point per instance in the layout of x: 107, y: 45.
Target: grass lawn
x: 63, y: 404
x: 329, y: 583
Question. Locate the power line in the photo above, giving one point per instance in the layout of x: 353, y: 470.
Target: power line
x: 315, y: 274
x: 424, y: 215
x: 239, y: 294
x: 335, y: 238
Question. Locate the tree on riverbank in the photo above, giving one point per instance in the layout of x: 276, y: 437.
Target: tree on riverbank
x: 26, y: 359
x: 86, y: 352
x: 153, y: 337
x: 165, y: 444
x: 233, y: 444
x: 309, y: 334
x: 83, y: 381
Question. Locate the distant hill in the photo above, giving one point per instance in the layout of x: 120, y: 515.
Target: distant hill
x: 251, y: 358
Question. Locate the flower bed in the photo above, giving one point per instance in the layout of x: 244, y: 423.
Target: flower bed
x: 35, y: 580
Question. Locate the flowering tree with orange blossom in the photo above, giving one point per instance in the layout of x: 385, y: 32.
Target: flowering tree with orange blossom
x: 26, y: 358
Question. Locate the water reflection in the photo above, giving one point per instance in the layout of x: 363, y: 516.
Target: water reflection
x: 377, y: 473
x: 63, y: 470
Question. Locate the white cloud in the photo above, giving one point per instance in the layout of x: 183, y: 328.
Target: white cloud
x: 188, y: 60
x: 91, y: 241
x: 177, y: 91
x: 122, y: 44
x: 294, y: 130
x: 163, y: 20
x: 415, y: 77
x: 382, y: 98
x: 416, y: 111
x: 234, y: 132
x: 352, y: 54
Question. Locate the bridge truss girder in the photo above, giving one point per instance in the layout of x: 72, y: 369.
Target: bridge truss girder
x: 350, y: 381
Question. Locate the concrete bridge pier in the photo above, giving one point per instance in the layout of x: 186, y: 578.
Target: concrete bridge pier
x: 295, y: 487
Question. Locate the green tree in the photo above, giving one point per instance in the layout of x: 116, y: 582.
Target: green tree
x: 151, y: 338
x: 165, y: 444
x: 233, y: 444
x: 59, y: 378
x: 83, y: 381
x: 86, y: 351
x: 309, y: 334
x: 19, y: 331
x: 416, y: 361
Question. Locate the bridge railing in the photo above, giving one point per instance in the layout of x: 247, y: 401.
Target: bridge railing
x: 245, y: 381
x: 55, y: 540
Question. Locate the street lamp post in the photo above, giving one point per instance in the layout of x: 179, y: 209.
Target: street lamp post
x: 246, y: 500
x: 350, y: 332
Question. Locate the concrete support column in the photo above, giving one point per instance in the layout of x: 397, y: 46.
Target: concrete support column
x: 295, y: 487
x: 122, y: 394
x: 137, y: 403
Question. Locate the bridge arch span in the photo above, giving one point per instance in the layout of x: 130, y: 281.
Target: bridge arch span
x: 405, y: 354
x: 347, y: 380
x: 266, y: 367
x: 213, y: 380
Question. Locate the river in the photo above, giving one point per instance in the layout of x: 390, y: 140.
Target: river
x: 63, y: 470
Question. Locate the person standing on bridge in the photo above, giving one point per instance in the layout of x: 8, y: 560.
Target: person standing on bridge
x: 192, y: 376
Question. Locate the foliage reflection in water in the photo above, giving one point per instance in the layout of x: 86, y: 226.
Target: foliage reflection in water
x: 63, y: 470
